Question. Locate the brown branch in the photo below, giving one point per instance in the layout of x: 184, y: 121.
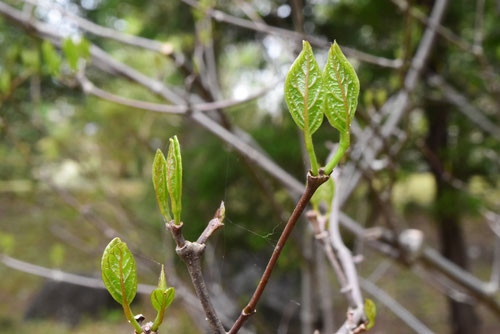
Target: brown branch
x: 313, y: 182
x: 190, y: 253
x: 107, y: 63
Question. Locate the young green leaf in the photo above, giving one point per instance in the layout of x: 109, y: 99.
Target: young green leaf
x: 160, y: 184
x: 31, y: 59
x: 7, y: 242
x: 162, y: 282
x: 74, y: 51
x: 84, y: 48
x: 161, y: 299
x: 51, y: 58
x: 119, y: 272
x: 371, y: 312
x: 71, y: 52
x: 5, y: 81
x: 174, y: 178
x: 303, y: 91
x: 341, y: 87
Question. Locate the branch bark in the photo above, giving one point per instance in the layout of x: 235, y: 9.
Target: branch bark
x: 190, y: 253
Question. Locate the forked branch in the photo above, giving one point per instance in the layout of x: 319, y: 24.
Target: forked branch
x: 190, y: 253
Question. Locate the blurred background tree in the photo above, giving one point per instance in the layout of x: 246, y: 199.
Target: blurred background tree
x: 75, y: 167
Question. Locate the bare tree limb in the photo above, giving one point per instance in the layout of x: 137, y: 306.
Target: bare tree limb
x: 402, y: 313
x: 90, y: 88
x: 478, y: 27
x: 98, y: 30
x: 397, y: 104
x: 289, y: 34
x: 441, y: 30
x: 464, y: 106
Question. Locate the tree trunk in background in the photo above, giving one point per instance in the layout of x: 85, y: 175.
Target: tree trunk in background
x: 463, y: 318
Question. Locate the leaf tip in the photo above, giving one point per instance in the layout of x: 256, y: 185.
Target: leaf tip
x: 306, y: 45
x: 162, y: 282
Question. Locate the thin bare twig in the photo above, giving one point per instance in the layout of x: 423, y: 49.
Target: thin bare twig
x: 478, y: 27
x: 313, y: 183
x: 356, y: 317
x: 190, y: 253
x: 289, y: 34
x: 90, y: 88
x: 398, y: 103
x: 399, y: 310
x: 98, y: 30
x: 464, y: 106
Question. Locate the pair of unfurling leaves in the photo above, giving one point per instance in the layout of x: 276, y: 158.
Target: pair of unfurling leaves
x: 119, y: 275
x: 118, y: 264
x: 310, y: 94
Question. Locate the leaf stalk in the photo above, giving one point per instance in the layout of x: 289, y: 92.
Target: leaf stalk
x: 345, y: 142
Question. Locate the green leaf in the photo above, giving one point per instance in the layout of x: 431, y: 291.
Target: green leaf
x: 160, y: 184
x: 324, y: 194
x: 174, y: 178
x: 5, y: 81
x: 84, y: 48
x: 341, y: 86
x: 303, y: 91
x: 371, y: 312
x: 57, y: 254
x: 162, y: 282
x: 161, y: 299
x: 51, y: 58
x: 74, y: 51
x: 71, y: 52
x: 119, y: 272
x: 7, y: 241
x: 31, y: 59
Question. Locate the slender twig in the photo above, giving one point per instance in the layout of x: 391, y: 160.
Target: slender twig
x: 399, y: 102
x: 289, y: 34
x: 319, y: 222
x: 98, y: 30
x: 433, y: 260
x: 190, y: 253
x: 444, y: 32
x: 464, y: 106
x: 325, y: 293
x: 92, y: 89
x: 107, y: 63
x: 399, y: 310
x: 356, y: 317
x: 313, y: 182
x: 478, y: 27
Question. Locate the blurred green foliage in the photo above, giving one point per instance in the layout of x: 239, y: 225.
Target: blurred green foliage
x: 53, y: 136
